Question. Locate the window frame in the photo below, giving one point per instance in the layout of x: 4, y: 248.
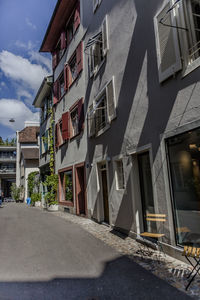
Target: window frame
x: 61, y: 187
x: 94, y: 68
x: 118, y: 188
x: 92, y: 109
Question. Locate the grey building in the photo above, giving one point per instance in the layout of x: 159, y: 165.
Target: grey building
x: 7, y: 169
x: 140, y: 83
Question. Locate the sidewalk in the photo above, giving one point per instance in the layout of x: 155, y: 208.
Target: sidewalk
x: 165, y: 267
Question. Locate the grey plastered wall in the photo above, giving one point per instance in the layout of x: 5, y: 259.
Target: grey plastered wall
x: 146, y: 109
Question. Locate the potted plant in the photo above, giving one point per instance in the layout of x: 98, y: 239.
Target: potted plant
x: 36, y: 199
x: 17, y: 192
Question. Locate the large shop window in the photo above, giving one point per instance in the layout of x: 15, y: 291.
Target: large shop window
x: 184, y: 161
x: 146, y: 189
x: 66, y: 186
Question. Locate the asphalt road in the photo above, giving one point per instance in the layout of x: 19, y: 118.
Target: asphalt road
x: 44, y: 257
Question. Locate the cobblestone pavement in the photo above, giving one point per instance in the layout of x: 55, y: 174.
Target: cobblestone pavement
x: 165, y: 267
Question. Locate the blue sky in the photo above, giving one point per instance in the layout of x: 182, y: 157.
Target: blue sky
x: 23, y: 25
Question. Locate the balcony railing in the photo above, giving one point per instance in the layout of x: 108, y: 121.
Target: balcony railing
x: 13, y: 158
x: 7, y: 171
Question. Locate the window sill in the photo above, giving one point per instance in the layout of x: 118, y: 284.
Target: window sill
x: 66, y: 203
x: 191, y: 67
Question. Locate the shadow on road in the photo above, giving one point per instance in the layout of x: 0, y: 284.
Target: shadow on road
x: 121, y: 279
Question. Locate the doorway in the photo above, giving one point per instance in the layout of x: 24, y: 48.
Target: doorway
x: 80, y: 190
x: 146, y: 188
x: 104, y: 192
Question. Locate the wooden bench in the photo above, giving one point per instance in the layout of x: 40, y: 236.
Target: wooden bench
x: 190, y: 253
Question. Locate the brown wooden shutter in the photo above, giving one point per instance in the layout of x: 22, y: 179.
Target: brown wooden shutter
x: 65, y: 126
x: 79, y: 57
x: 80, y: 114
x: 110, y: 95
x: 77, y: 17
x: 54, y: 59
x: 63, y: 40
x: 55, y: 92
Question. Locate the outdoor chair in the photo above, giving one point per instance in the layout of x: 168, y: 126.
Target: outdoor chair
x: 152, y: 236
x: 192, y: 254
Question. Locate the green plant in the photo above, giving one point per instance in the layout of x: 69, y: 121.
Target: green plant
x: 33, y: 183
x: 17, y: 192
x: 51, y: 181
x: 35, y: 197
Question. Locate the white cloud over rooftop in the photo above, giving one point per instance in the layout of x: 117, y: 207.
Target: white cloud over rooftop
x: 21, y: 70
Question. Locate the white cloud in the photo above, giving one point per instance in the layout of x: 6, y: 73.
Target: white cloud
x: 11, y: 108
x: 28, y: 46
x: 39, y: 58
x: 28, y: 22
x: 22, y: 70
x: 3, y: 83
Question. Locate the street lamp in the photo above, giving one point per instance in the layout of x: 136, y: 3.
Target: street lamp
x: 12, y: 120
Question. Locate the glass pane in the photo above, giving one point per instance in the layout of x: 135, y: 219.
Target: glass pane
x: 146, y: 190
x: 184, y: 160
x: 68, y: 186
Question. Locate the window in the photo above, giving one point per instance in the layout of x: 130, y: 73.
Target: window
x: 120, y: 184
x: 73, y: 120
x: 66, y: 36
x: 66, y: 179
x: 181, y: 23
x: 99, y: 49
x: 73, y: 24
x: 61, y: 85
x: 74, y: 66
x: 102, y: 111
x: 184, y: 163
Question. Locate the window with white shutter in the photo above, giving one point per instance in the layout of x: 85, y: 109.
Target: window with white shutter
x: 168, y: 53
x: 99, y: 48
x: 102, y: 111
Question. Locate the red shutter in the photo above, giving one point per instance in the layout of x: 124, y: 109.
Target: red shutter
x: 55, y: 92
x: 63, y: 41
x: 65, y: 126
x: 54, y: 59
x: 80, y: 114
x: 77, y: 17
x: 79, y: 57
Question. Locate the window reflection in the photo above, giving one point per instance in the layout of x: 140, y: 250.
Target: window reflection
x: 184, y: 160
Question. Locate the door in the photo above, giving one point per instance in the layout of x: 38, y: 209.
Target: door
x: 80, y: 190
x: 146, y: 188
x: 105, y: 192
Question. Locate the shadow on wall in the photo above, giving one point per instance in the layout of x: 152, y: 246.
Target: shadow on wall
x: 121, y: 279
x: 161, y: 97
